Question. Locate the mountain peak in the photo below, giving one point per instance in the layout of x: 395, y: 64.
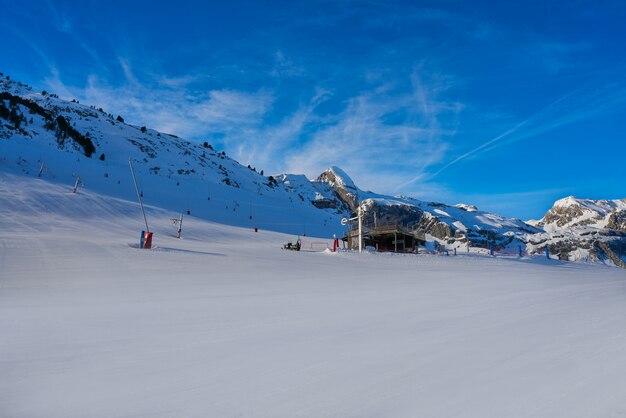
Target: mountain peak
x: 572, y: 211
x: 601, y: 206
x: 336, y: 177
x: 568, y: 201
x: 342, y: 184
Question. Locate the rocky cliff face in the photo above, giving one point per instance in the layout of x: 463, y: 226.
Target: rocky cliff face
x: 617, y: 220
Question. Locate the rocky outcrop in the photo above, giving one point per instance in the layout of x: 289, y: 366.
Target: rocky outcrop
x: 341, y: 184
x: 617, y: 221
x: 561, y: 216
x: 377, y: 213
x: 614, y: 250
x: 575, y: 212
x: 431, y: 225
x: 319, y: 194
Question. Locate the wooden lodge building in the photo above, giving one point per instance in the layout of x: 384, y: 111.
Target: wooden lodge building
x: 385, y: 238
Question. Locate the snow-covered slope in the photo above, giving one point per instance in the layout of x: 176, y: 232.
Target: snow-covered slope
x: 41, y: 135
x: 223, y: 323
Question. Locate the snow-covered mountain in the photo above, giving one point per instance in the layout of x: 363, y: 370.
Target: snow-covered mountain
x: 583, y: 229
x: 61, y: 141
x: 573, y: 212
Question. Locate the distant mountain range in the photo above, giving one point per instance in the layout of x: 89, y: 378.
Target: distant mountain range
x: 58, y: 140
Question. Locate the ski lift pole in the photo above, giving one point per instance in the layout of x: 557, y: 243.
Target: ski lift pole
x: 76, y: 185
x: 180, y: 226
x: 359, y: 219
x: 132, y: 171
x: 360, y: 216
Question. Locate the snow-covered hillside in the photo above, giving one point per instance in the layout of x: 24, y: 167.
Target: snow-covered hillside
x: 173, y: 173
x: 222, y: 322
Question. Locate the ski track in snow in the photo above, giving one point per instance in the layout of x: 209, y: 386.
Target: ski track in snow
x: 224, y: 323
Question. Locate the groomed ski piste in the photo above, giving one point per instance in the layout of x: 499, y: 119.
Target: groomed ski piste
x: 224, y: 323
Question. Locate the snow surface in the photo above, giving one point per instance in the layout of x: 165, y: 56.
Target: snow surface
x: 441, y: 212
x: 459, y: 226
x: 224, y: 323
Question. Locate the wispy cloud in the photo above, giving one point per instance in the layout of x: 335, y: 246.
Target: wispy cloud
x: 163, y: 105
x: 385, y: 138
x: 284, y: 66
x: 267, y: 144
x: 128, y: 72
x: 401, y: 130
x: 60, y: 21
x: 63, y: 23
x: 598, y: 97
x: 229, y: 109
x: 55, y: 84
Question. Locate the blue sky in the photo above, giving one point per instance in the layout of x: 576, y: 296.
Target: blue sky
x: 506, y: 105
